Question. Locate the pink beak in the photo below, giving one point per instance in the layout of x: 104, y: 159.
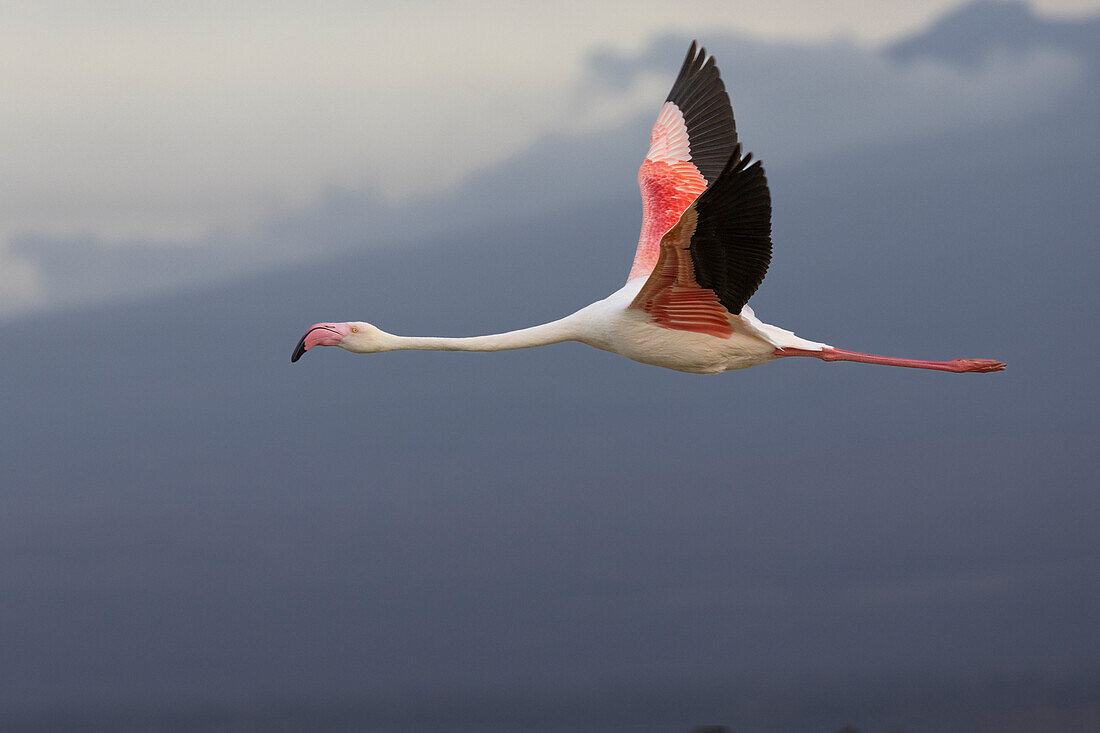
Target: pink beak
x: 321, y: 334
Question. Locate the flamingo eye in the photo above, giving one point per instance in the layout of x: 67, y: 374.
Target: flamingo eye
x: 354, y: 329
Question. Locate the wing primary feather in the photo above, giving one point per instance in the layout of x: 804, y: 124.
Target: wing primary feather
x: 701, y: 97
x: 731, y: 247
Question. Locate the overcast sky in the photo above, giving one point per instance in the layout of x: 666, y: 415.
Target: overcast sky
x: 190, y: 519
x: 153, y: 120
x: 135, y: 124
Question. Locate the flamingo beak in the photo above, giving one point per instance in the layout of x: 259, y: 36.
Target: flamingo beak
x: 322, y: 334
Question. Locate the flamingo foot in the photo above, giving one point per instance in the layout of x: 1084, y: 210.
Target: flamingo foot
x: 979, y: 365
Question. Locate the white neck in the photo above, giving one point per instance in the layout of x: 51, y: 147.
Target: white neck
x: 548, y: 333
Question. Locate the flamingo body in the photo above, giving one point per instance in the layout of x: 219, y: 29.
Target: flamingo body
x: 704, y: 248
x: 612, y: 325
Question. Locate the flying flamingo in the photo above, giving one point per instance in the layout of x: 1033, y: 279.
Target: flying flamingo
x: 703, y: 251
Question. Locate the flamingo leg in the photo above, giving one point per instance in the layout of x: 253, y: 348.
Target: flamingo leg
x: 957, y: 365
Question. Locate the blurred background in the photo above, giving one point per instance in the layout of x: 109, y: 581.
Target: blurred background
x: 196, y: 535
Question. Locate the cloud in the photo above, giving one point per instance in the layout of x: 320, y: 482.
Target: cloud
x: 139, y: 120
x: 580, y: 137
x: 975, y: 31
x: 21, y: 286
x: 56, y: 271
x: 797, y: 102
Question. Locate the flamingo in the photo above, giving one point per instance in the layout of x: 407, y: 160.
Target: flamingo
x: 704, y: 248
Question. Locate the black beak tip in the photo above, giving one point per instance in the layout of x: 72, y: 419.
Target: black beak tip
x: 298, y: 350
x: 301, y: 347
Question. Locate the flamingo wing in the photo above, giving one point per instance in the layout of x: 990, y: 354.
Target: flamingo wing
x: 716, y: 255
x: 690, y: 143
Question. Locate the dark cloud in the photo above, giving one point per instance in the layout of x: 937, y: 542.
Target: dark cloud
x: 981, y: 29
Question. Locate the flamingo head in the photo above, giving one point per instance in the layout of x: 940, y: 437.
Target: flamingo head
x: 356, y: 336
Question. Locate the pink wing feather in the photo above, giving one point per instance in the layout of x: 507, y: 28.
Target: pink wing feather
x: 715, y: 256
x: 691, y: 142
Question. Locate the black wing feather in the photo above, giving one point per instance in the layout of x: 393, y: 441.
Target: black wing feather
x: 702, y: 99
x: 732, y: 244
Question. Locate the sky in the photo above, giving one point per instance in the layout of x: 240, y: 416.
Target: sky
x: 198, y: 535
x: 140, y: 124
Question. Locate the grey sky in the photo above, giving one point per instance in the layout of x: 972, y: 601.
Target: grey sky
x: 139, y: 119
x: 151, y: 123
x: 197, y: 535
x: 155, y: 151
x: 195, y: 527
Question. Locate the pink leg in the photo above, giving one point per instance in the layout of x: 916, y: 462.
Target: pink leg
x: 958, y: 365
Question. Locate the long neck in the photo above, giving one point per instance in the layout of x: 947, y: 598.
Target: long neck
x: 548, y: 333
